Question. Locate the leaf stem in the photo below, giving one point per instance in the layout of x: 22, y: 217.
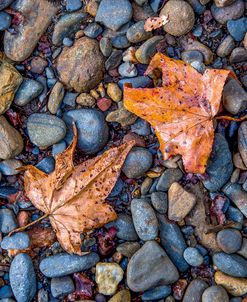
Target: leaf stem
x: 229, y: 118
x: 28, y: 225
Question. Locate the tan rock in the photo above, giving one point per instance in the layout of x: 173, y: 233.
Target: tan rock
x: 11, y: 143
x: 92, y: 7
x: 81, y: 66
x: 234, y: 286
x: 245, y: 41
x: 85, y: 99
x: 121, y: 116
x: 108, y: 275
x: 56, y: 97
x: 122, y: 296
x: 37, y: 14
x: 114, y: 92
x: 180, y: 202
x: 238, y: 162
x: 223, y: 3
x: 10, y: 80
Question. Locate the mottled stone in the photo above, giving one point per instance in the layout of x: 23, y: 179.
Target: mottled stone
x: 7, y: 221
x: 234, y: 286
x: 55, y: 97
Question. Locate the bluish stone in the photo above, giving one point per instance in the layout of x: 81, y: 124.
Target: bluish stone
x: 168, y: 178
x: 67, y: 42
x: 5, y: 21
x: 47, y: 164
x: 62, y: 286
x: 117, y: 188
x: 6, y: 292
x: 58, y: 148
x: 18, y: 241
x: 69, y: 99
x: 237, y: 28
x: 193, y: 257
x: 5, y: 3
x: 137, y: 82
x: 155, y: 5
x: 5, y: 191
x: 93, y: 30
x: 73, y: 5
x: 141, y: 127
x: 120, y: 42
x: 7, y: 221
x: 234, y: 214
x: 125, y: 227
x: 197, y: 6
x: 29, y: 90
x: 197, y: 32
x: 159, y: 292
x: 10, y: 166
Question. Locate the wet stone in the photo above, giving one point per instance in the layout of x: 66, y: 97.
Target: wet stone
x: 226, y: 46
x: 137, y: 82
x: 190, y: 56
x: 18, y: 241
x: 58, y: 148
x: 93, y: 30
x: 73, y: 5
x: 238, y: 55
x: 120, y: 42
x: 7, y: 221
x: 29, y: 90
x: 47, y: 164
x: 61, y: 286
x: 9, y: 166
x: 237, y: 28
x: 141, y: 127
x: 105, y: 46
x: 114, y: 60
x: 55, y: 98
x: 146, y: 51
x: 168, y: 178
x: 234, y: 286
x: 127, y: 69
x: 128, y: 249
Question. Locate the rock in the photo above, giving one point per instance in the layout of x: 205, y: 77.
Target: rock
x: 58, y: 148
x: 226, y: 46
x: 6, y: 293
x: 55, y: 98
x: 64, y: 264
x: 18, y: 241
x: 22, y: 278
x: 70, y: 99
x: 127, y: 70
x: 9, y: 166
x: 66, y: 26
x: 173, y: 242
x: 137, y: 34
x: 138, y: 161
x: 137, y: 82
x: 180, y: 202
x: 197, y: 6
x: 114, y: 60
x: 107, y: 277
x: 142, y: 12
x: 5, y: 21
x: 179, y: 24
x: 128, y: 249
x: 229, y: 240
x: 150, y: 266
x: 237, y: 195
x: 47, y: 164
x: 93, y: 30
x: 19, y: 45
x: 193, y: 256
x: 234, y: 286
x: 85, y: 99
x: 195, y: 290
x: 105, y: 46
x: 122, y: 296
x: 11, y: 143
x: 237, y: 28
x: 146, y: 51
x: 28, y: 91
x: 230, y: 12
x: 92, y: 129
x: 10, y: 80
x: 38, y: 65
x: 7, y: 221
x: 238, y: 55
x: 220, y: 166
x: 141, y: 127
x: 234, y: 97
x: 68, y: 42
x: 159, y: 201
x: 144, y: 218
x: 223, y: 3
x: 114, y: 92
x: 242, y: 141
x: 243, y: 250
x: 45, y: 130
x: 196, y: 45
x: 5, y: 3
x: 168, y: 178
x: 233, y: 265
x: 61, y: 286
x: 73, y: 5
x: 114, y: 14
x: 156, y: 293
x: 215, y: 294
x: 190, y: 56
x: 81, y: 66
x: 120, y: 42
x: 125, y: 227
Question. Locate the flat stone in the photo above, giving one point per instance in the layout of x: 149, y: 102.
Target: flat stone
x: 215, y: 294
x: 159, y: 292
x: 229, y: 240
x: 19, y: 45
x: 237, y: 28
x: 121, y: 116
x: 150, y: 266
x: 61, y: 286
x: 168, y: 178
x: 29, y: 90
x: 195, y: 290
x: 64, y: 264
x: 18, y: 241
x: 234, y: 286
x: 7, y: 221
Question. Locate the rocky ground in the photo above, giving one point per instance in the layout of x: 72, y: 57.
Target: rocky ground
x: 178, y: 236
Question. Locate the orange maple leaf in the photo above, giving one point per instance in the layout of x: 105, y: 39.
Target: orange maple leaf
x: 182, y: 110
x: 74, y: 197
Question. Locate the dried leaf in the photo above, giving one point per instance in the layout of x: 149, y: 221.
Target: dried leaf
x: 74, y: 197
x: 182, y: 110
x: 155, y: 22
x: 84, y: 288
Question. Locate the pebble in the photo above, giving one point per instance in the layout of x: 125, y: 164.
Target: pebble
x: 128, y: 249
x: 141, y: 127
x: 229, y: 240
x: 114, y: 59
x: 122, y: 116
x: 144, y: 218
x: 179, y: 24
x: 107, y: 277
x: 120, y: 42
x: 38, y: 65
x: 47, y: 164
x: 243, y: 250
x: 230, y: 12
x: 93, y: 30
x: 190, y: 56
x: 173, y: 242
x: 22, y: 278
x: 220, y: 164
x: 64, y: 264
x: 5, y: 3
x: 121, y: 296
x: 125, y: 228
x: 159, y: 292
x: 68, y: 42
x: 226, y: 46
x: 70, y: 99
x: 114, y: 92
x: 58, y: 148
x: 234, y: 286
x: 223, y: 3
x: 137, y: 34
x: 142, y: 12
x: 55, y: 97
x: 7, y: 221
x: 19, y: 45
x: 85, y: 99
x: 18, y: 241
x: 61, y: 286
x: 195, y: 290
x: 238, y: 55
x: 6, y: 293
x: 159, y: 201
x: 168, y: 178
x: 113, y: 14
x: 137, y: 82
x: 29, y: 90
x: 215, y: 294
x: 11, y: 142
x: 105, y: 46
x: 150, y: 266
x: 5, y: 21
x: 45, y: 130
x: 146, y: 51
x: 233, y: 265
x: 92, y: 129
x: 180, y: 202
x: 127, y: 70
x: 73, y: 5
x: 234, y: 215
x: 193, y: 256
x: 197, y: 6
x: 138, y: 161
x: 196, y: 45
x: 237, y: 28
x: 9, y: 167
x: 237, y: 195
x: 81, y: 66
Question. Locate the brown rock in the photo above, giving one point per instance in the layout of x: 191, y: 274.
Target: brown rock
x: 141, y: 12
x: 81, y: 66
x: 92, y: 7
x: 122, y: 296
x: 223, y: 3
x: 238, y: 162
x: 128, y: 249
x: 180, y: 202
x: 55, y: 98
x: 11, y: 143
x: 37, y: 16
x: 234, y: 286
x: 121, y: 116
x: 245, y: 41
x: 114, y: 92
x: 85, y: 99
x: 10, y: 80
x: 225, y: 47
x: 38, y: 65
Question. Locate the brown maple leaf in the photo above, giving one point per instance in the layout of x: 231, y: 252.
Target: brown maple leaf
x: 182, y: 110
x: 74, y: 197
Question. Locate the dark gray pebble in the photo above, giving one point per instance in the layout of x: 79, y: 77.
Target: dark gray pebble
x: 168, y: 178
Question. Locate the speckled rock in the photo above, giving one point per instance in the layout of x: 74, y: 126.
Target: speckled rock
x: 81, y: 66
x: 215, y: 294
x: 85, y: 99
x: 114, y: 92
x: 55, y: 98
x: 234, y: 286
x: 193, y: 256
x: 195, y: 290
x: 28, y: 91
